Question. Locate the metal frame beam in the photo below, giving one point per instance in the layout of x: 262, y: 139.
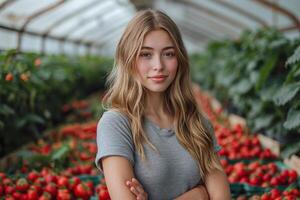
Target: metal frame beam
x: 6, y: 3
x: 34, y: 16
x: 94, y: 29
x: 64, y: 19
x: 76, y: 28
x: 70, y: 16
x: 281, y: 10
x: 33, y: 33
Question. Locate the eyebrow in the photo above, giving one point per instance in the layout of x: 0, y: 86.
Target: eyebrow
x: 165, y: 48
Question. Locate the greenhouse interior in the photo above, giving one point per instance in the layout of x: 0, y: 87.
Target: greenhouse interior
x: 58, y: 59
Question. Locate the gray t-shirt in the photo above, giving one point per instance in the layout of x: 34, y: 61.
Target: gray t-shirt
x: 166, y: 175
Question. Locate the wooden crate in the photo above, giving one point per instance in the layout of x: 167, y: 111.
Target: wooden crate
x: 293, y: 162
x: 235, y: 119
x: 270, y: 143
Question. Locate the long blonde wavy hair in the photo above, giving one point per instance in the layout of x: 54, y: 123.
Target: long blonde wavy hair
x: 126, y: 95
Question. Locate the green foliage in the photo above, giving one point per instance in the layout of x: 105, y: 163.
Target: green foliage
x: 291, y: 149
x: 34, y: 87
x: 293, y: 119
x: 294, y: 58
x: 265, y: 71
x: 257, y: 76
x: 286, y: 93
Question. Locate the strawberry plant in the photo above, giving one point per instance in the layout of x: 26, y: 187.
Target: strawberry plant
x: 256, y: 77
x: 28, y: 84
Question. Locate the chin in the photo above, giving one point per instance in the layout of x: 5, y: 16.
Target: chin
x: 156, y: 89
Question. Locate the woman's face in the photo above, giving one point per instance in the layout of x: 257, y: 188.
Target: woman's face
x: 157, y: 62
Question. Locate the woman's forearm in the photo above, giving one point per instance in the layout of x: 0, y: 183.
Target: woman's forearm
x: 217, y: 186
x: 197, y: 193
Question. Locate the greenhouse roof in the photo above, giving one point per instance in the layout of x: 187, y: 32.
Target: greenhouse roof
x: 94, y: 26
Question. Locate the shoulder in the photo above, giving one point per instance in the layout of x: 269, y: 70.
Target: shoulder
x: 114, y: 116
x: 114, y: 120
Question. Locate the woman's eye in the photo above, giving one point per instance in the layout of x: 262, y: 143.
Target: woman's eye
x: 146, y: 55
x: 169, y: 54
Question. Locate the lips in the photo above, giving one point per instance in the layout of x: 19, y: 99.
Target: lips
x: 159, y: 76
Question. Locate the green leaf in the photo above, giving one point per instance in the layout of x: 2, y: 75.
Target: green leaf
x: 226, y: 77
x: 293, y: 73
x: 276, y: 130
x: 38, y: 160
x: 294, y: 58
x: 262, y: 122
x: 30, y: 118
x: 266, y: 70
x: 267, y: 93
x: 278, y: 43
x: 242, y: 87
x: 256, y: 107
x: 6, y: 110
x: 254, y: 75
x: 286, y: 93
x: 293, y: 119
x: 60, y: 153
x: 290, y: 150
x: 251, y: 65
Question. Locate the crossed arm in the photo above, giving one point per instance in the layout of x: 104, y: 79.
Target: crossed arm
x: 118, y: 170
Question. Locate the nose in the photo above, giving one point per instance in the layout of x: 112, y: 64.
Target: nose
x: 157, y: 63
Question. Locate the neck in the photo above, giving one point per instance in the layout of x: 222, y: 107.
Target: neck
x: 155, y: 104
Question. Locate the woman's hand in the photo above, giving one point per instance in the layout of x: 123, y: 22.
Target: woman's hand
x: 137, y: 189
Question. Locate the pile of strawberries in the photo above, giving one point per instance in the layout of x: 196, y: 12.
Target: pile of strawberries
x: 244, y: 159
x: 274, y: 194
x: 77, y: 111
x: 240, y: 154
x: 236, y: 145
x: 254, y: 173
x: 46, y: 185
x: 59, y: 182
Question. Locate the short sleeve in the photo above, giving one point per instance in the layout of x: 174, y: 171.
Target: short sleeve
x: 210, y: 128
x: 114, y: 137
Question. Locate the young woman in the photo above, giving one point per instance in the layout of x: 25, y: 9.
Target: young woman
x: 154, y: 142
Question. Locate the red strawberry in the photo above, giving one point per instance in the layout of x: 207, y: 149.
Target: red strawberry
x: 22, y: 185
x: 32, y: 194
x: 32, y: 176
x: 51, y: 189
x: 275, y: 193
x: 62, y: 181
x: 265, y: 196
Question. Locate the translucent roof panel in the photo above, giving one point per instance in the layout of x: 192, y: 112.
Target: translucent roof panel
x: 98, y: 24
x: 83, y: 18
x: 65, y: 10
x: 17, y: 14
x: 219, y: 19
